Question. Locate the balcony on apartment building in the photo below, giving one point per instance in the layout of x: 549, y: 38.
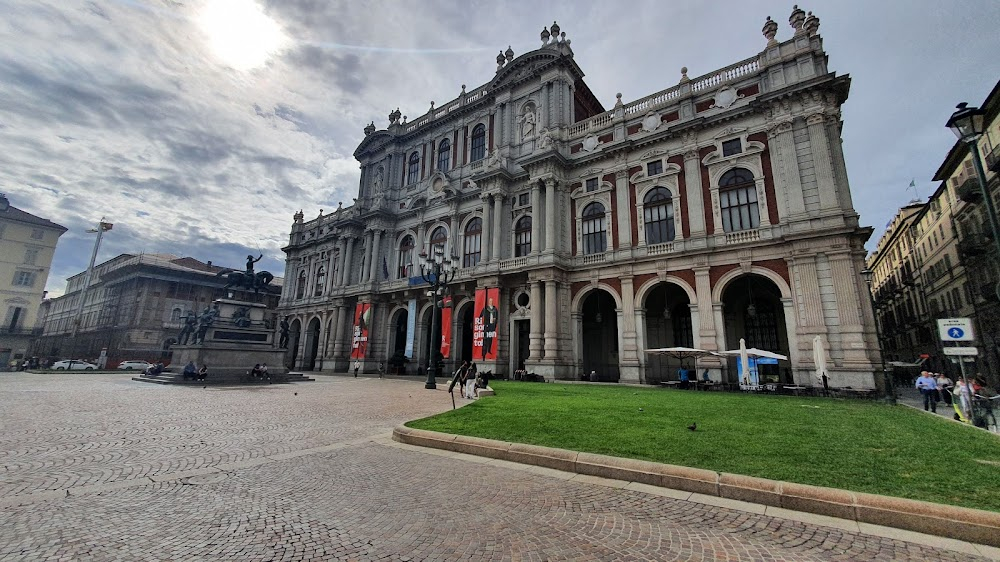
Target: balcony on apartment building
x: 974, y: 245
x: 969, y: 191
x: 993, y: 159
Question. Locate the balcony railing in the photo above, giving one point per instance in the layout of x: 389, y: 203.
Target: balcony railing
x: 8, y: 331
x: 969, y: 191
x: 975, y: 245
x: 993, y: 159
x: 742, y: 236
x: 664, y: 248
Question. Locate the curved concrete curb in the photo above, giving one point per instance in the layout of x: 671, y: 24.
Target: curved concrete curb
x: 971, y: 525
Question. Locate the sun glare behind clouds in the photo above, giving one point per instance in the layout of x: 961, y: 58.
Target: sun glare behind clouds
x: 240, y: 34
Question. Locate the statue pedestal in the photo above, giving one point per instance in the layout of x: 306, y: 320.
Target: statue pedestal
x: 233, y: 344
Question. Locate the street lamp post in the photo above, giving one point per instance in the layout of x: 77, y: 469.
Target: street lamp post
x: 890, y: 394
x: 436, y: 270
x: 967, y: 124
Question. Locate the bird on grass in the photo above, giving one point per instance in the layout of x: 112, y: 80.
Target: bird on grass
x: 693, y: 426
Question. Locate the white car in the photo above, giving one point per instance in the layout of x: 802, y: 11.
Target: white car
x: 134, y: 365
x: 73, y: 365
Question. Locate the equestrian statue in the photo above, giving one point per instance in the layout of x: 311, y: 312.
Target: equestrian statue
x: 249, y: 280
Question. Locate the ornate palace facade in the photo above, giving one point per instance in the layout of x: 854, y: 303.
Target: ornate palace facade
x: 714, y: 210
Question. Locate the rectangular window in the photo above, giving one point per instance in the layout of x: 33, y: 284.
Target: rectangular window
x: 523, y: 199
x: 37, y: 234
x: 654, y: 168
x: 24, y: 279
x: 592, y: 184
x: 731, y: 147
x: 30, y: 255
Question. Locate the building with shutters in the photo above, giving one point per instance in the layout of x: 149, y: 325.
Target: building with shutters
x: 713, y: 210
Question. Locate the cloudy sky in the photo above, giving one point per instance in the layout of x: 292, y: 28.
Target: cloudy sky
x: 199, y: 127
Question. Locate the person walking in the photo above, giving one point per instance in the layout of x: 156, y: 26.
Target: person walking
x: 944, y: 385
x: 928, y: 387
x: 357, y: 366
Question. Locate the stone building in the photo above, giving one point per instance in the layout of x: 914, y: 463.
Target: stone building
x: 135, y: 306
x: 27, y: 244
x: 713, y: 210
x: 938, y: 260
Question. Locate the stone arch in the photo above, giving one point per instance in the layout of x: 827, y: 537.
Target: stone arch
x: 582, y: 294
x: 729, y: 276
x: 311, y: 350
x: 645, y: 288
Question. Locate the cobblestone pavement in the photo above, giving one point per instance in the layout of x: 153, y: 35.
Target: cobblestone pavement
x: 98, y: 467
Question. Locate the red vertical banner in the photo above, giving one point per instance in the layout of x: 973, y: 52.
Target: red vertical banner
x: 446, y: 328
x: 362, y: 319
x: 485, y: 333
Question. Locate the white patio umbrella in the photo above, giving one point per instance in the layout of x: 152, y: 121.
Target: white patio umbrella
x: 681, y: 352
x: 745, y: 353
x: 745, y: 363
x: 819, y: 358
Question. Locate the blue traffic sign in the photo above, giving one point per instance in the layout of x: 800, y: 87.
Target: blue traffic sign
x: 956, y: 333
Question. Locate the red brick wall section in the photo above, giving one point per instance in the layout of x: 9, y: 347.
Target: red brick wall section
x: 778, y: 266
x: 610, y: 178
x: 638, y: 281
x: 576, y: 148
x: 706, y: 192
x: 687, y: 275
x: 765, y: 157
x: 490, y: 145
x: 717, y: 271
x: 748, y: 91
x: 668, y: 117
x: 606, y: 138
x: 633, y: 129
x: 631, y: 197
x: 682, y: 189
x: 703, y: 105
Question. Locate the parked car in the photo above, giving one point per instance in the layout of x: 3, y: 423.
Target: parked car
x: 134, y: 365
x: 73, y: 365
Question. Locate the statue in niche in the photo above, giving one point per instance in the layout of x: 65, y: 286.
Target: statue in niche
x: 528, y: 122
x: 377, y: 182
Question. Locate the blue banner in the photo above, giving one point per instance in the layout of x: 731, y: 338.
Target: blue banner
x: 411, y: 327
x: 414, y: 281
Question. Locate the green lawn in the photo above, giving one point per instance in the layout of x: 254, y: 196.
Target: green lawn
x: 855, y: 445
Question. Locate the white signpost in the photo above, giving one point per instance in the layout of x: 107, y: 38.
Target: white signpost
x: 955, y: 329
x: 963, y: 351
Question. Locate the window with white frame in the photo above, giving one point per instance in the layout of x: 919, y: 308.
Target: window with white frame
x: 444, y: 156
x: 478, y: 143
x: 594, y: 230
x: 405, y: 263
x: 738, y: 201
x: 24, y: 279
x: 522, y: 236
x: 592, y: 184
x: 472, y: 242
x: 300, y: 285
x: 413, y: 169
x: 654, y: 168
x: 320, y: 281
x: 658, y: 216
x: 30, y: 255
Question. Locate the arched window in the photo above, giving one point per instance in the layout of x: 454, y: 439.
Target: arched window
x: 594, y: 231
x: 478, y: 143
x: 413, y: 170
x: 658, y: 214
x: 320, y: 282
x: 738, y: 201
x: 472, y: 245
x: 175, y: 315
x: 439, y: 237
x: 522, y: 236
x: 300, y: 285
x: 405, y: 265
x: 444, y: 155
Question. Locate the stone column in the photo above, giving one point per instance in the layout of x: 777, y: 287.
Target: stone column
x: 625, y: 210
x: 497, y: 224
x: 366, y: 258
x: 373, y: 252
x: 550, y: 215
x: 849, y: 305
x: 535, y: 333
x: 804, y: 270
x: 695, y: 203
x: 421, y: 232
x: 484, y: 241
x: 822, y: 162
x: 345, y: 272
x: 706, y: 320
x: 536, y: 219
x: 551, y: 322
x: 788, y: 187
x: 641, y: 343
x: 629, y: 360
x: 342, y: 331
x: 331, y: 267
x: 331, y: 342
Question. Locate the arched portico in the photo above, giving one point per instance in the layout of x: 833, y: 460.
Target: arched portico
x: 311, y: 345
x: 294, y: 336
x: 597, y: 339
x: 753, y: 308
x: 668, y: 321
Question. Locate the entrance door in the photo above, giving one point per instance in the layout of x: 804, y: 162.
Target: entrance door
x: 523, y: 331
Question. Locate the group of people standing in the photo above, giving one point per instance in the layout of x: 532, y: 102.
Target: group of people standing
x: 938, y: 387
x: 469, y: 377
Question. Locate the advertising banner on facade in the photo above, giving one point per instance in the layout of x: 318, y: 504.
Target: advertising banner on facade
x: 484, y: 325
x: 411, y: 327
x: 362, y: 319
x: 446, y: 328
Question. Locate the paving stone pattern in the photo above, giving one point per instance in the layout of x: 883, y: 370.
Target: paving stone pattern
x: 97, y: 467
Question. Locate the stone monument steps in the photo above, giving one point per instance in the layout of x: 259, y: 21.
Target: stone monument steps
x: 226, y: 378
